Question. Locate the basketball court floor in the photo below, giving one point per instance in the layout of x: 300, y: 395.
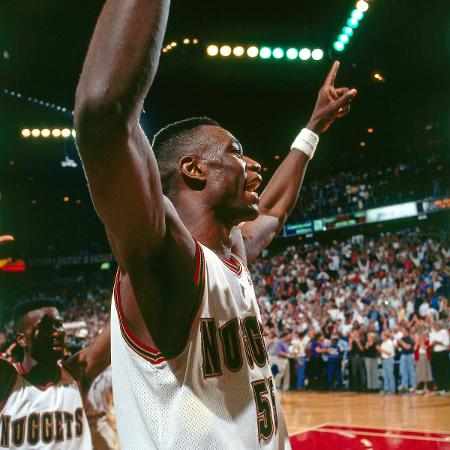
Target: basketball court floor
x: 349, y: 421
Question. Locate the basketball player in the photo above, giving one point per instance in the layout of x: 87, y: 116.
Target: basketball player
x: 190, y: 368
x: 40, y: 399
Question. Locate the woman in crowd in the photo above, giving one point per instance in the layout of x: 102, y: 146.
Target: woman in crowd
x: 422, y: 357
x: 371, y: 361
x: 356, y: 347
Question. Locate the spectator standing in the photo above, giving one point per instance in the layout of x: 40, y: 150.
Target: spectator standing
x: 316, y: 362
x: 407, y: 374
x: 333, y: 364
x: 357, y: 361
x: 387, y: 353
x: 439, y: 343
x: 283, y: 355
x: 422, y: 358
x: 299, y: 346
x: 371, y: 361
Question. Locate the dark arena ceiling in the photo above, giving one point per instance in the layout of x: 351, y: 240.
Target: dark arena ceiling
x: 263, y: 102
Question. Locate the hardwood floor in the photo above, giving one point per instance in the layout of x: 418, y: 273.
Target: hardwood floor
x: 306, y: 410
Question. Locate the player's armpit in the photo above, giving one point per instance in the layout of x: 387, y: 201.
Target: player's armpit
x: 159, y: 299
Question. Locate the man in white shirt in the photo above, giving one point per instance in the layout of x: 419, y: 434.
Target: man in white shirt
x: 387, y: 353
x: 439, y: 343
x: 298, y: 349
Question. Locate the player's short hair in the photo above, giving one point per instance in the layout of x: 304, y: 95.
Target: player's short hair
x: 174, y: 141
x: 25, y: 307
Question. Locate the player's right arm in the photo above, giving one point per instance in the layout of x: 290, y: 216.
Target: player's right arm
x: 120, y: 167
x: 152, y: 246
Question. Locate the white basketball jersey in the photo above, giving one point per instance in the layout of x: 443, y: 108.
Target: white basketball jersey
x: 219, y: 392
x: 44, y: 417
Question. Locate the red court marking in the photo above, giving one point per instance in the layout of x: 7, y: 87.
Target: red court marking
x: 388, y: 431
x: 336, y: 437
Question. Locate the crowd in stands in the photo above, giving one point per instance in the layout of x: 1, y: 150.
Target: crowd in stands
x: 333, y: 312
x: 364, y: 314
x: 353, y: 191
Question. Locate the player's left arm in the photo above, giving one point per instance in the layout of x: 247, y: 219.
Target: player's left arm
x: 90, y: 362
x: 281, y: 193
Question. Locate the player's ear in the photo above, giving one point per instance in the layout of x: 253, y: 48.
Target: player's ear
x: 193, y: 170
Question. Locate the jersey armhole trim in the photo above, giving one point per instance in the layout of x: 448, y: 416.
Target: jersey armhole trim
x: 9, y: 388
x: 150, y: 354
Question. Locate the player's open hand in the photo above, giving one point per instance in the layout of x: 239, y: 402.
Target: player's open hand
x: 331, y: 102
x: 6, y: 238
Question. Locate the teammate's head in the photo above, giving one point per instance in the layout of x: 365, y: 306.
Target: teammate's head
x: 199, y: 155
x: 39, y: 330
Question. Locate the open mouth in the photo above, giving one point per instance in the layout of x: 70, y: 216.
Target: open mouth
x: 252, y: 186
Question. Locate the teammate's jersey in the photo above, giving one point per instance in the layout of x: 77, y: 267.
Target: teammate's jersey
x: 219, y: 392
x: 44, y: 417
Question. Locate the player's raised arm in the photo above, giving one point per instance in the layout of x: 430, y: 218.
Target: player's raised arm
x: 120, y: 167
x: 281, y: 194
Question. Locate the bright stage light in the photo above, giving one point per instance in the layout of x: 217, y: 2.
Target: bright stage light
x: 278, y: 53
x: 225, y: 50
x: 45, y: 132
x: 186, y: 41
x: 343, y: 38
x: 238, y: 51
x: 252, y: 52
x: 353, y: 23
x: 56, y: 132
x: 317, y: 54
x: 362, y: 6
x: 292, y: 53
x: 265, y: 52
x: 338, y: 46
x: 212, y: 50
x: 348, y: 31
x: 65, y: 132
x: 35, y: 132
x: 26, y: 132
x: 357, y: 14
x: 304, y: 54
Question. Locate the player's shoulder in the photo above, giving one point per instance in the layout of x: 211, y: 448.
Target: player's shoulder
x: 8, y: 377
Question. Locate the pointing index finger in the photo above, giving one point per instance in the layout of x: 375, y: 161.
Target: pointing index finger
x: 332, y: 74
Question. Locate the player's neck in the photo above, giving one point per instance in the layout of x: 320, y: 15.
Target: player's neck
x: 40, y: 372
x: 203, y: 224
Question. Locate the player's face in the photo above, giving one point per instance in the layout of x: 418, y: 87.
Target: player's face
x: 44, y: 334
x: 233, y: 177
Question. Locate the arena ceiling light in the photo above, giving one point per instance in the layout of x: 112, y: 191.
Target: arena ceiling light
x: 304, y: 54
x: 292, y: 53
x: 47, y: 133
x: 352, y: 23
x: 265, y: 52
x: 225, y: 50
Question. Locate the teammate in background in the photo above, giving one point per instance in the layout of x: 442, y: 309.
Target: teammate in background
x: 190, y: 367
x: 99, y: 408
x: 40, y: 398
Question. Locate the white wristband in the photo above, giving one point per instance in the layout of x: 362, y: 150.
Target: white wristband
x: 306, y: 142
